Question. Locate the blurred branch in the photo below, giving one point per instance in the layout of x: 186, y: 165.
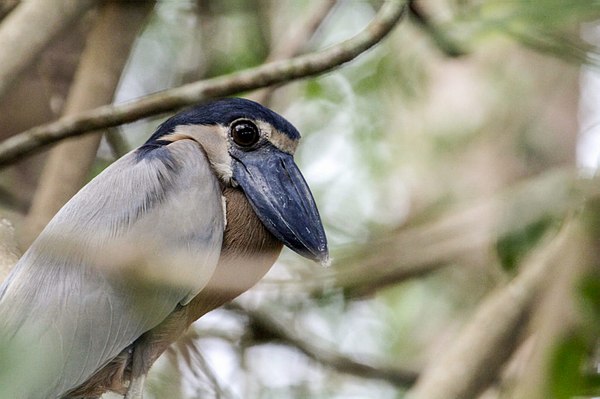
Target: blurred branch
x: 6, y: 6
x: 278, y: 330
x: 473, y: 360
x: 106, y: 52
x: 9, y: 250
x: 219, y: 392
x: 561, y: 319
x: 557, y: 45
x: 440, y: 38
x: 117, y: 143
x: 28, y: 29
x: 265, y: 75
x: 294, y: 43
x: 418, y: 250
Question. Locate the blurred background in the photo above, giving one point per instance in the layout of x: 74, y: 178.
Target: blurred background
x: 444, y: 162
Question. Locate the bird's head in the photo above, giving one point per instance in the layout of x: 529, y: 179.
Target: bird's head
x: 252, y: 147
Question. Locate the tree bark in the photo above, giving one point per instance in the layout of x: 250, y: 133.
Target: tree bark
x: 28, y: 29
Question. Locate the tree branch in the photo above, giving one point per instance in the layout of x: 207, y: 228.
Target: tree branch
x: 439, y: 38
x: 26, y: 31
x: 295, y: 43
x: 417, y: 250
x: 273, y: 73
x: 473, y: 360
x: 9, y: 250
x: 100, y: 67
x: 6, y: 6
x: 562, y: 315
x: 280, y: 331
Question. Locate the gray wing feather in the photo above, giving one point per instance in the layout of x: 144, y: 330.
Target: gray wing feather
x: 140, y: 238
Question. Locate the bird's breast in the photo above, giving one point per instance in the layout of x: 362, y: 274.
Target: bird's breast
x: 248, y: 252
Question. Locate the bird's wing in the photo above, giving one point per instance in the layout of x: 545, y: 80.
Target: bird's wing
x: 141, y: 238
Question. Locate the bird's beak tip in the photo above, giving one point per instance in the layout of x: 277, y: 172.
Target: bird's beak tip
x: 283, y: 202
x: 321, y: 254
x: 326, y: 260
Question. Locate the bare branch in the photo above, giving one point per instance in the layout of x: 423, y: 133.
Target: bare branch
x: 26, y: 31
x: 560, y: 314
x: 417, y: 250
x: 106, y: 52
x: 188, y: 348
x: 296, y: 43
x: 341, y: 363
x: 9, y: 250
x: 118, y: 144
x: 169, y: 100
x: 439, y: 38
x: 6, y: 6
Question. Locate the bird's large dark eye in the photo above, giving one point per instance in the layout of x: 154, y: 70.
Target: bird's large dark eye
x: 244, y: 133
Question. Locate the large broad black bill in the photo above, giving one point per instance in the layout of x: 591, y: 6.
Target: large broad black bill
x: 282, y: 200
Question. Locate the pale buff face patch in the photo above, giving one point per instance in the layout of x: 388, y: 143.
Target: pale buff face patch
x: 215, y: 140
x: 280, y: 140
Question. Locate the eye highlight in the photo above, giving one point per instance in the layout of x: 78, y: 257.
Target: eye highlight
x: 244, y: 133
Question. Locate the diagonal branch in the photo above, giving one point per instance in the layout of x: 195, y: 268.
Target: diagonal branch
x: 279, y: 330
x: 26, y: 31
x: 295, y: 43
x: 440, y: 38
x: 418, y: 249
x: 475, y: 357
x: 277, y: 72
x: 106, y: 52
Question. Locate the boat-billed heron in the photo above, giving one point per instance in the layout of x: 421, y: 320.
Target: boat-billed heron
x: 175, y: 228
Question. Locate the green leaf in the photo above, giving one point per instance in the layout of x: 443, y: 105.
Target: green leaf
x: 590, y: 293
x: 566, y: 368
x: 513, y: 246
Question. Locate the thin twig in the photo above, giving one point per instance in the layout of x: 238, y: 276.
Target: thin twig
x: 117, y: 143
x: 265, y: 75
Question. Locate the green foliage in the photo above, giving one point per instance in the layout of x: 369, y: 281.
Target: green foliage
x: 590, y: 294
x: 573, y: 362
x: 98, y: 166
x: 548, y: 26
x: 515, y: 245
x: 566, y: 365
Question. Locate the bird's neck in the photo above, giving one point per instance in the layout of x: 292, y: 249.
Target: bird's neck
x: 248, y: 252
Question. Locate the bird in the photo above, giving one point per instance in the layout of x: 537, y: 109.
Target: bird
x: 173, y: 229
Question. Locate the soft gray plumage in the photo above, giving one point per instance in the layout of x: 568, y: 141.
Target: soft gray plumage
x: 75, y: 275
